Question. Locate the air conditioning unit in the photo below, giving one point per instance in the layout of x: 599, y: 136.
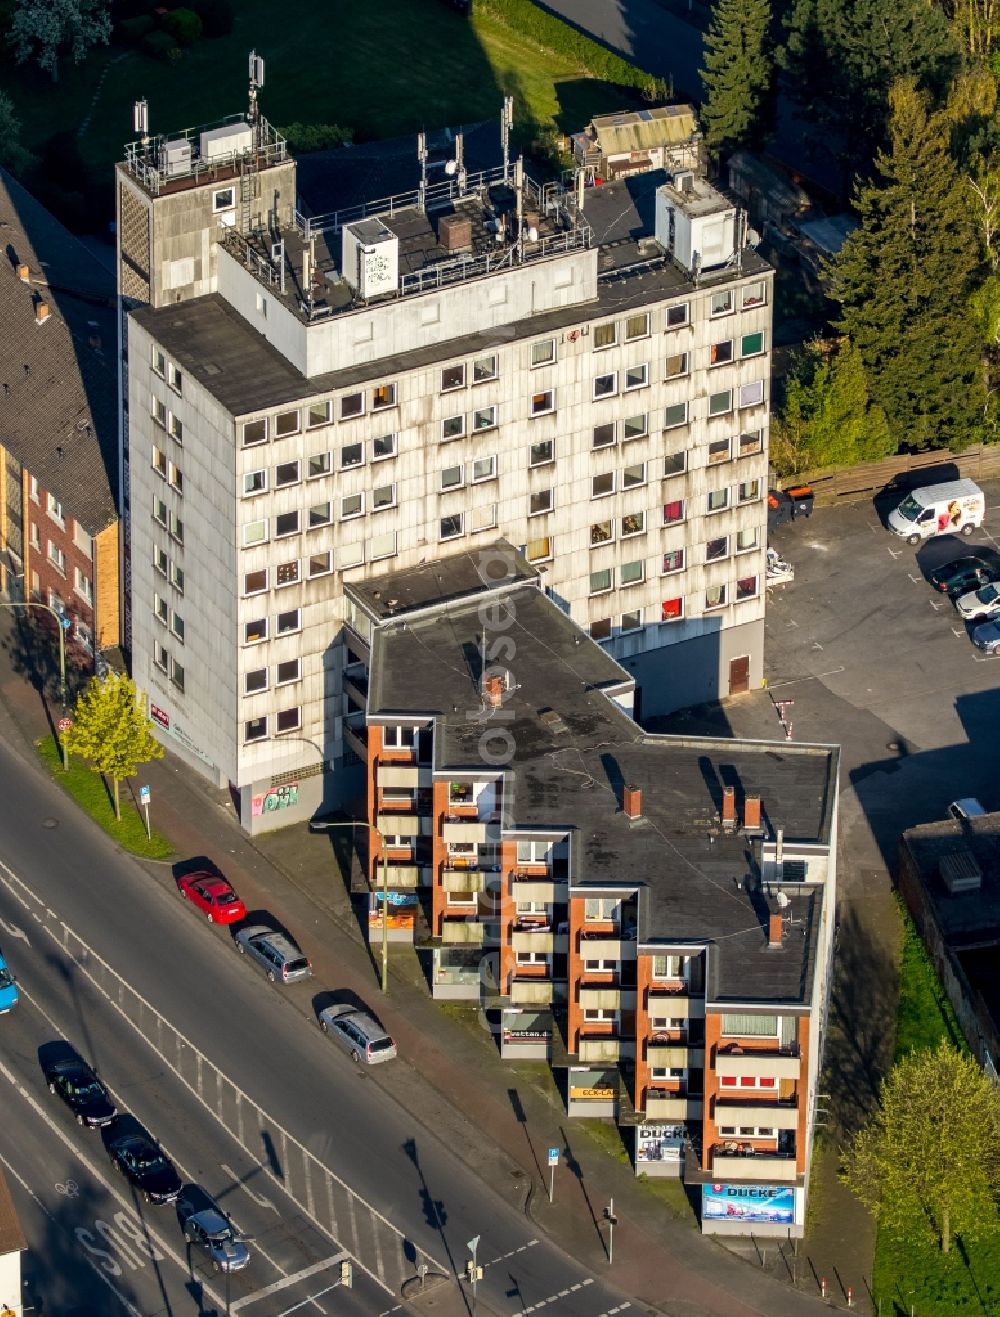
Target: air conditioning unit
x: 175, y: 157
x: 232, y: 139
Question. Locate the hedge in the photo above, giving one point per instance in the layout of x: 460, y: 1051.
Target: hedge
x: 304, y: 137
x: 537, y: 25
x: 184, y: 26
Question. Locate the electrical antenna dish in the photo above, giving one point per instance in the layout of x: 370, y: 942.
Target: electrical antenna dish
x: 140, y: 117
x: 451, y: 168
x: 782, y: 900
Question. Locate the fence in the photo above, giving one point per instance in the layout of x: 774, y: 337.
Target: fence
x: 855, y: 483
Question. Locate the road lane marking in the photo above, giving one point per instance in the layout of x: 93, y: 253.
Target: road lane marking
x: 311, y: 1299
x: 13, y: 931
x: 240, y: 1182
x: 554, y: 1298
x: 294, y: 1279
x: 513, y: 1253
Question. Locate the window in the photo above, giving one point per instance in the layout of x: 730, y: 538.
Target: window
x: 751, y: 395
x: 677, y: 315
x: 452, y: 477
x: 485, y: 517
x: 722, y: 303
x: 54, y: 509
x: 749, y: 491
x: 602, y: 485
x: 383, y: 396
x: 382, y: 546
x: 746, y: 588
x: 720, y: 403
x: 751, y: 442
x: 452, y: 377
x: 286, y: 423
x: 384, y: 496
x: 223, y: 198
x: 753, y: 294
x: 636, y: 327
x: 604, y: 435
x: 484, y: 419
x: 254, y: 432
x: 288, y: 622
x: 750, y: 1026
x: 320, y: 514
x: 636, y: 377
x: 261, y: 299
x: 632, y: 573
x: 483, y: 369
x: 605, y: 336
x: 675, y: 366
x: 177, y: 577
x: 288, y: 671
x: 319, y: 413
x: 671, y: 610
x: 254, y: 632
x: 174, y: 427
x: 452, y: 427
x: 602, y: 909
x: 177, y: 675
x: 175, y: 478
x: 161, y: 609
x: 675, y: 415
x: 159, y: 361
x: 318, y: 465
x: 255, y: 680
x: 673, y: 512
x: 720, y: 354
x: 351, y: 455
x: 398, y: 737
x: 717, y: 548
x: 718, y: 451
x: 35, y: 536
x: 601, y: 630
x: 288, y: 720
x: 601, y: 582
x: 602, y: 532
x: 255, y: 582
x: 286, y: 473
x: 160, y: 656
x: 177, y: 626
x: 160, y: 462
x: 160, y: 511
x: 321, y: 564
x: 286, y: 573
x: 254, y: 482
x: 353, y: 505
x: 634, y: 427
x: 634, y: 523
x: 484, y: 468
x: 175, y: 378
x: 175, y: 527
x: 606, y: 385
x: 540, y: 502
x: 633, y: 476
x: 352, y: 404
x: 674, y: 464
x: 255, y: 729
x: 543, y: 352
x: 746, y: 540
x: 382, y: 447
x: 160, y: 561
x: 631, y: 621
x: 673, y: 561
x: 286, y: 523
x: 542, y: 453
x: 751, y: 345
x: 451, y: 526
x: 718, y: 499
x: 715, y: 596
x: 542, y: 403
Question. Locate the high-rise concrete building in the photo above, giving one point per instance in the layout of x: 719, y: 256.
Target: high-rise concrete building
x: 310, y: 400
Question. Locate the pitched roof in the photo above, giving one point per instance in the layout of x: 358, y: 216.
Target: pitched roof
x: 12, y: 1238
x: 639, y: 130
x: 58, y: 379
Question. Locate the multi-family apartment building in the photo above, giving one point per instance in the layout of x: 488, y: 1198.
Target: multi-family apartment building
x: 59, y: 533
x: 310, y: 400
x: 654, y: 915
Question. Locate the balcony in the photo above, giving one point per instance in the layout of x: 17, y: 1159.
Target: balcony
x: 455, y: 931
x: 762, y: 1115
x: 401, y: 825
x: 532, y: 992
x: 534, y: 939
x: 729, y: 1163
x: 477, y: 831
x: 605, y: 1049
x: 608, y: 998
x: 673, y: 1106
x: 607, y: 947
x: 674, y: 1054
x: 356, y: 738
x: 678, y: 1003
x: 402, y: 876
x: 406, y: 777
x: 776, y: 1062
x: 356, y: 685
x: 526, y: 888
x: 463, y: 880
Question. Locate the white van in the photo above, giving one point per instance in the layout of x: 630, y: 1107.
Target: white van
x: 955, y: 507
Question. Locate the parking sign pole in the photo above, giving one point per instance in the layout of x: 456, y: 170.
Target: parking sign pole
x: 553, y: 1163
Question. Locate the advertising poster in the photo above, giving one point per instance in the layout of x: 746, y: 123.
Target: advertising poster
x: 656, y: 1143
x: 402, y: 910
x: 753, y: 1203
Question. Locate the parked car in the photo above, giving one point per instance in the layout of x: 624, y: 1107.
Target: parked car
x: 955, y: 507
x: 978, y: 605
x: 964, y: 574
x: 213, y: 896
x: 145, y: 1165
x: 9, y: 995
x: 71, y: 1079
x: 214, y: 1233
x: 967, y: 808
x: 357, y: 1033
x: 986, y: 637
x: 276, y: 953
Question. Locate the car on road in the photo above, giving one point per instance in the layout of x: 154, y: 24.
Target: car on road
x: 212, y: 1232
x: 276, y: 953
x: 978, y: 605
x: 357, y: 1033
x: 213, y: 896
x: 9, y: 995
x: 964, y: 574
x: 79, y: 1087
x: 986, y: 637
x: 145, y: 1165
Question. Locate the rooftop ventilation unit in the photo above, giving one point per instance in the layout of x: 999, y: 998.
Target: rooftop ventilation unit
x: 370, y: 258
x: 175, y: 157
x: 232, y: 139
x: 960, y: 872
x: 695, y: 223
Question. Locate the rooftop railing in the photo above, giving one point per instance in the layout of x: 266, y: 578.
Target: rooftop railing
x: 143, y: 156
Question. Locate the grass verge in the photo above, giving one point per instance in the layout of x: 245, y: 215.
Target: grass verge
x: 924, y: 1015
x: 88, y: 790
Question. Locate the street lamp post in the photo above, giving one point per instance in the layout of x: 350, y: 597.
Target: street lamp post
x: 360, y: 823
x: 33, y: 603
x: 474, y: 1271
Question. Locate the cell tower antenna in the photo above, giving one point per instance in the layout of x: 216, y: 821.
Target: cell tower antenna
x: 140, y: 119
x: 506, y: 123
x: 256, y: 70
x: 422, y: 157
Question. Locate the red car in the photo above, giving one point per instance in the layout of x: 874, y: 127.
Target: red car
x: 213, y: 896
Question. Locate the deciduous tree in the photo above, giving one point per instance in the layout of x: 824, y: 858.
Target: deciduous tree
x: 112, y: 731
x: 931, y: 1152
x: 40, y: 28
x: 737, y: 72
x: 13, y: 156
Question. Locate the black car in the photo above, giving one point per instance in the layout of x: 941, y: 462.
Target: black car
x: 81, y: 1090
x: 965, y: 574
x: 146, y: 1166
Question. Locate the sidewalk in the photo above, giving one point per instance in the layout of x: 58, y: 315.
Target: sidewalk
x: 503, y: 1117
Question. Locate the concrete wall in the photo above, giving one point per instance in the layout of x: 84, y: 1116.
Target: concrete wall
x: 696, y: 669
x: 10, y: 1283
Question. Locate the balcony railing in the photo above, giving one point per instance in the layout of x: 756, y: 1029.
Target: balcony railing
x: 601, y: 946
x: 775, y: 1062
x: 780, y: 1115
x: 605, y: 1049
x: 666, y: 1105
x: 735, y: 1161
x: 532, y: 992
x: 463, y: 880
x: 455, y: 931
x: 674, y: 1054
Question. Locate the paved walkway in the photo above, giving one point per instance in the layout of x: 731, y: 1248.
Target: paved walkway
x: 503, y: 1117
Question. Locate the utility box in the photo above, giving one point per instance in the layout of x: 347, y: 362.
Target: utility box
x: 455, y: 233
x: 370, y: 258
x: 175, y: 157
x: 695, y: 223
x: 232, y: 139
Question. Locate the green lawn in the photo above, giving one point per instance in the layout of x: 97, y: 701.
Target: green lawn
x: 924, y: 1015
x: 88, y: 790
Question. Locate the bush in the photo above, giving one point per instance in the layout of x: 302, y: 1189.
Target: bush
x: 160, y: 45
x: 132, y: 30
x: 184, y: 26
x: 303, y: 137
x: 217, y: 17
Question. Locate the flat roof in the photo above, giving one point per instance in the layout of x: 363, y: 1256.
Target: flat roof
x: 969, y: 918
x: 468, y: 572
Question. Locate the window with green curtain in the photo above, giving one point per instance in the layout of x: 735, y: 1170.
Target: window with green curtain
x: 751, y: 1026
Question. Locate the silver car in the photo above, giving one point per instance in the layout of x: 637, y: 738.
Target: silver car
x: 978, y: 605
x: 211, y: 1231
x: 279, y: 957
x: 358, y: 1034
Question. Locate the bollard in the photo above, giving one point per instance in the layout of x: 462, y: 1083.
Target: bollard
x: 850, y: 1297
x: 822, y: 1287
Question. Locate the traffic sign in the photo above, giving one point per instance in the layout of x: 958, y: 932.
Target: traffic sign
x: 553, y: 1156
x: 65, y: 623
x: 144, y: 795
x: 64, y: 724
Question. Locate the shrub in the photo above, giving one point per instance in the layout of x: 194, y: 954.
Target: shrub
x: 303, y: 137
x: 159, y: 45
x: 132, y: 30
x: 217, y: 17
x: 184, y: 26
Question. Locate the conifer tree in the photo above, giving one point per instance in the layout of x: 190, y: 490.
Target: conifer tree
x: 737, y: 72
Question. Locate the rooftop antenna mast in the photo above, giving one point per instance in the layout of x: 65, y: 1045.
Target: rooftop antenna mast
x: 248, y: 168
x: 140, y: 121
x: 422, y: 157
x: 256, y: 63
x: 460, y: 162
x: 519, y: 195
x: 506, y: 123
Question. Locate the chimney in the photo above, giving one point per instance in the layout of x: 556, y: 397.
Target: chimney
x: 494, y: 687
x: 728, y: 808
x: 24, y: 274
x: 632, y: 802
x: 751, y: 814
x: 41, y: 312
x: 774, y: 930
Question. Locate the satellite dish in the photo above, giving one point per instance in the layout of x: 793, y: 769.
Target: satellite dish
x: 753, y: 238
x: 451, y: 167
x: 532, y: 234
x: 782, y: 900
